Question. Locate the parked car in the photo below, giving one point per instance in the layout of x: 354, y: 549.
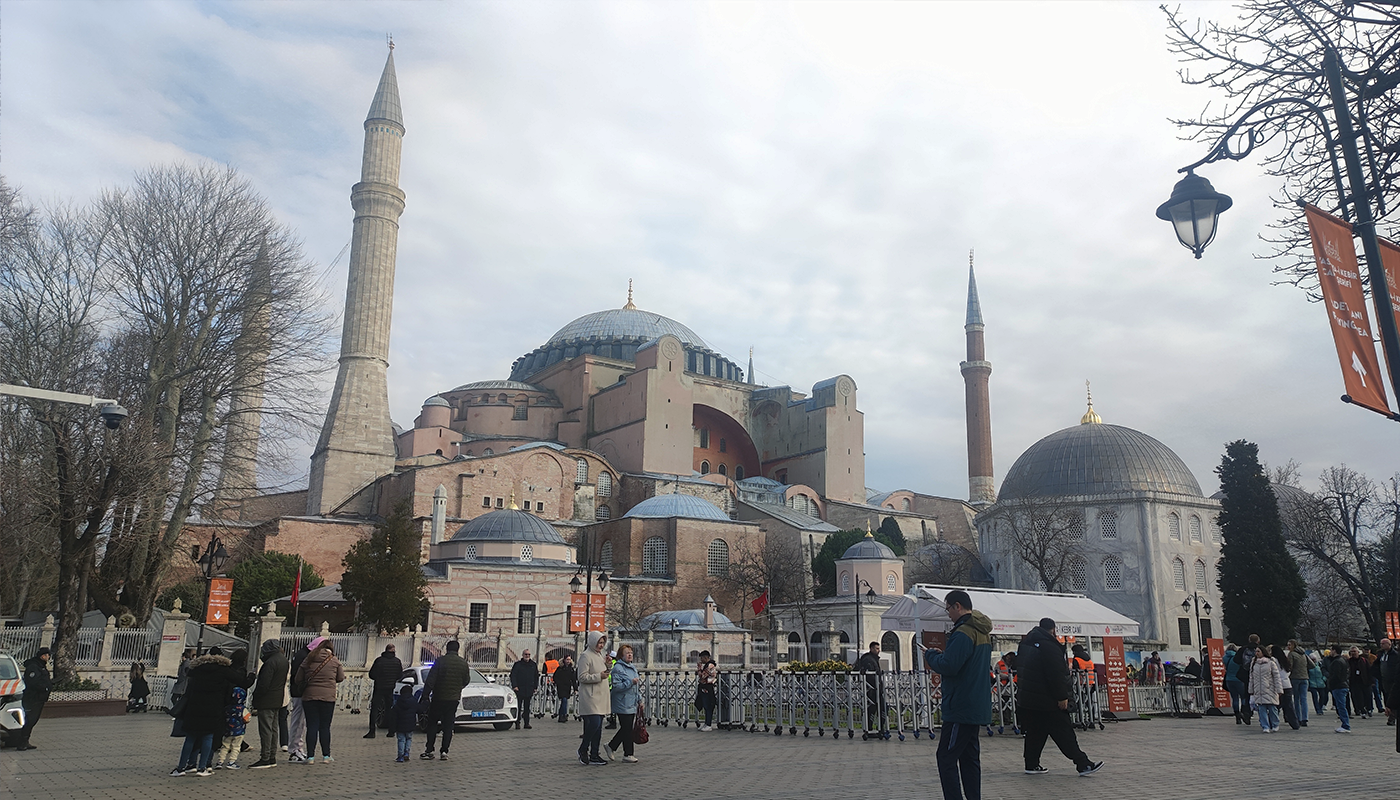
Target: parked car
x: 11, y: 687
x: 484, y: 702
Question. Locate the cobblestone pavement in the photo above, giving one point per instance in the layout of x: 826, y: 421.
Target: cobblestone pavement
x: 128, y: 757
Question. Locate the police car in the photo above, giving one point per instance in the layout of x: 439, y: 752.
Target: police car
x: 483, y: 702
x: 11, y: 687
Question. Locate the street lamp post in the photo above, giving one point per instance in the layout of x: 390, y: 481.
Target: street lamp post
x: 587, y: 585
x: 211, y: 560
x: 870, y: 596
x: 1194, y: 602
x: 1195, y: 206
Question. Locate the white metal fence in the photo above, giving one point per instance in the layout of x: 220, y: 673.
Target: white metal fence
x: 22, y: 643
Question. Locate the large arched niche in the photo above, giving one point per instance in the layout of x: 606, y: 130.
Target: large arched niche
x: 721, y: 440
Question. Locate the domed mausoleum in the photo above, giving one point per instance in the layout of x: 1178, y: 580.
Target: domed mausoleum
x: 1123, y: 520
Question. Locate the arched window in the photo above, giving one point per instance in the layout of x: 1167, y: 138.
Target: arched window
x: 704, y: 468
x: 581, y: 474
x: 1215, y: 533
x: 1179, y: 574
x: 723, y: 446
x: 605, y: 558
x: 502, y: 399
x: 489, y: 452
x: 717, y: 559
x: 891, y: 583
x: 486, y: 398
x: 845, y: 582
x: 1079, y: 574
x: 654, y: 558
x: 604, y: 483
x: 603, y: 512
x: 1108, y: 523
x: 527, y: 553
x: 739, y: 473
x: 1201, y: 576
x: 905, y: 504
x: 723, y: 470
x: 1112, y: 574
x: 1195, y: 528
x: 1074, y: 526
x: 1174, y: 527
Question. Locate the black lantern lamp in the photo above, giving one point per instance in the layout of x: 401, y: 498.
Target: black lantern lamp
x: 1193, y: 210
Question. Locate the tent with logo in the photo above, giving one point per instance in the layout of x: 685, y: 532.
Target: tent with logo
x: 1012, y: 612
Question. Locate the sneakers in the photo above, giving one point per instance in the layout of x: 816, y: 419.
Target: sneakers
x: 608, y: 752
x: 177, y: 772
x: 218, y: 765
x: 706, y: 728
x: 263, y: 765
x: 442, y: 756
x: 369, y: 735
x: 598, y: 761
x: 1343, y: 730
x: 398, y: 759
x: 1037, y: 770
x: 232, y: 765
x: 284, y: 748
x: 630, y: 759
x: 296, y: 759
x: 583, y: 759
x: 1093, y: 766
x: 428, y: 756
x: 204, y: 773
x: 326, y: 759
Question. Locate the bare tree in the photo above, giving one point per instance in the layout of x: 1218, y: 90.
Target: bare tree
x: 1046, y: 536
x: 946, y: 564
x: 1330, y: 614
x: 1273, y: 55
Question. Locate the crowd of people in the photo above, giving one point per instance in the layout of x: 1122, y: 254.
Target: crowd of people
x: 1277, y: 683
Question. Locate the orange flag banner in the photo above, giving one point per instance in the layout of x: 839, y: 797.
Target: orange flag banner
x: 1340, y: 279
x: 1390, y: 262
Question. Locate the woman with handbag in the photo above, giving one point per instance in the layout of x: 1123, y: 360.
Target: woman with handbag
x: 319, y: 674
x: 626, y: 697
x: 707, y: 678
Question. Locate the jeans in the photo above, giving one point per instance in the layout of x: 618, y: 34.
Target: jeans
x: 1239, y: 700
x: 296, y: 728
x: 592, y: 736
x: 1319, y: 699
x: 205, y: 743
x: 1055, y: 725
x: 1300, y: 699
x: 405, y: 741
x: 318, y: 725
x: 960, y: 761
x: 442, y: 717
x: 1339, y: 701
x: 523, y: 701
x: 1268, y: 716
x: 267, y: 733
x: 707, y: 704
x: 623, y: 736
x: 563, y: 709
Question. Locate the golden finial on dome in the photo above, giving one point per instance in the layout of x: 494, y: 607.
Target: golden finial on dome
x: 868, y: 533
x: 630, y: 305
x: 1090, y: 417
x: 513, y: 506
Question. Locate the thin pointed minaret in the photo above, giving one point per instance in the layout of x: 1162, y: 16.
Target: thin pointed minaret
x: 751, y: 379
x: 238, y: 470
x: 977, y: 372
x: 357, y: 441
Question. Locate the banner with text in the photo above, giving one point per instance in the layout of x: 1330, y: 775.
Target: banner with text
x: 1392, y: 624
x: 1390, y: 261
x: 220, y: 593
x: 1116, y: 675
x: 1216, y: 648
x: 591, y: 609
x: 1340, y: 280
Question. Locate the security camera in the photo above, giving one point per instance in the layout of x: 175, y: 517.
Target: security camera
x: 112, y: 414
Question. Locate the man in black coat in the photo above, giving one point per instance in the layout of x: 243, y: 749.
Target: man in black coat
x: 1042, y: 700
x: 869, y: 663
x: 37, y: 684
x: 385, y: 672
x: 269, y: 696
x: 524, y: 680
x: 565, y: 682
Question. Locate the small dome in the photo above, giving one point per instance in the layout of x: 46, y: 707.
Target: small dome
x: 759, y: 481
x: 508, y: 525
x: 1097, y: 458
x: 665, y: 506
x: 514, y: 386
x: 689, y: 619
x: 436, y: 401
x: 868, y: 548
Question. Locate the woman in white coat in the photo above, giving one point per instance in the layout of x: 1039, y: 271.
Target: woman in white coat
x: 594, y: 699
x: 1265, y: 689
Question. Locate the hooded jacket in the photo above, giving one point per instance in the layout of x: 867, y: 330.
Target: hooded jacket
x: 626, y: 693
x: 319, y: 673
x: 1265, y: 682
x: 404, y: 716
x: 37, y: 681
x: 565, y: 680
x: 1042, y: 672
x: 593, y: 696
x: 209, y: 692
x: 270, y: 690
x: 966, y: 667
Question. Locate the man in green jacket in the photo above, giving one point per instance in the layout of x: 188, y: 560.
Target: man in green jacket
x: 966, y: 667
x: 443, y: 686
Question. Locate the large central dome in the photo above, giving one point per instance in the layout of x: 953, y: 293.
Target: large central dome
x: 624, y: 323
x: 1096, y: 458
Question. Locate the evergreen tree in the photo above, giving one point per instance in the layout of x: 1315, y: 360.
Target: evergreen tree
x: 261, y: 579
x: 824, y: 565
x: 894, y: 537
x: 1260, y: 588
x: 383, y: 575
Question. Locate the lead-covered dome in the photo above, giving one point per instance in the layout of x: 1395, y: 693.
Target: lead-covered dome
x: 1096, y: 458
x: 508, y: 525
x: 665, y: 506
x: 624, y: 323
x: 868, y: 548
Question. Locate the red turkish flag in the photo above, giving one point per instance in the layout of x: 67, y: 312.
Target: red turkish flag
x: 759, y: 603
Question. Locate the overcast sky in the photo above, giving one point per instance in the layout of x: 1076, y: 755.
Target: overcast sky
x: 805, y: 179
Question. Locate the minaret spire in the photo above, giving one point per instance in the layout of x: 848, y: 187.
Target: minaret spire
x: 751, y: 378
x: 357, y: 441
x: 977, y: 372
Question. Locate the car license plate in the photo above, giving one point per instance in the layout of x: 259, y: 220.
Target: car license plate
x: 483, y: 714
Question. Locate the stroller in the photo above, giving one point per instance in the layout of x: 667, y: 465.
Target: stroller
x: 137, y: 698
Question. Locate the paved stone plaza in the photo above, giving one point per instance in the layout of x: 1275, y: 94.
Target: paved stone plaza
x: 128, y: 757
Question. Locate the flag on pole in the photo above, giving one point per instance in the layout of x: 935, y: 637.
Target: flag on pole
x: 296, y: 587
x: 760, y: 603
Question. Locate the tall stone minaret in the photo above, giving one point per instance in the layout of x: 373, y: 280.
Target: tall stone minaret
x: 977, y: 371
x: 238, y: 471
x: 357, y: 441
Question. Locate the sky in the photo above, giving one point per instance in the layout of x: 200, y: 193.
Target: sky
x: 806, y: 179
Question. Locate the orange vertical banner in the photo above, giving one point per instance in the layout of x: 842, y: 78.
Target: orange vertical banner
x: 1390, y: 262
x: 1116, y: 673
x: 1216, y: 649
x: 578, y: 601
x: 597, y: 611
x: 1340, y: 279
x: 220, y: 593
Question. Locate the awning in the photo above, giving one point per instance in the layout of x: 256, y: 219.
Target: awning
x: 1013, y: 613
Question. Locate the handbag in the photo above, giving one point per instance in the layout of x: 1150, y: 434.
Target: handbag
x: 639, y: 728
x: 177, y: 708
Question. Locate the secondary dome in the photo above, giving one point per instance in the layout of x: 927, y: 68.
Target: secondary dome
x: 1097, y: 458
x: 665, y: 506
x: 868, y: 548
x: 508, y: 525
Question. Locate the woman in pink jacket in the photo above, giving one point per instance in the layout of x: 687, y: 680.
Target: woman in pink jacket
x: 1265, y: 688
x: 319, y: 674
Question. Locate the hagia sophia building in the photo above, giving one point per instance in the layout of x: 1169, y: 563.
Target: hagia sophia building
x: 626, y: 443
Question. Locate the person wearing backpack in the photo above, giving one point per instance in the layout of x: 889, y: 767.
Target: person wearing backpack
x: 1244, y: 659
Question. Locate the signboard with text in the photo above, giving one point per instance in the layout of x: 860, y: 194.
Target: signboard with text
x: 1116, y: 675
x: 1390, y: 262
x: 591, y: 609
x: 1392, y: 624
x: 220, y: 593
x: 1216, y: 653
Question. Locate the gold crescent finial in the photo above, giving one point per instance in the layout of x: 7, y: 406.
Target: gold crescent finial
x: 1090, y: 417
x: 390, y: 38
x: 969, y: 257
x: 868, y: 533
x: 630, y: 305
x: 513, y: 506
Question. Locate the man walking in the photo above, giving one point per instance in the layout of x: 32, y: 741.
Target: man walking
x: 869, y: 663
x: 1387, y: 669
x: 565, y: 681
x: 385, y: 673
x: 966, y: 667
x: 1337, y: 683
x: 296, y: 718
x: 37, y: 683
x: 443, y: 688
x: 1298, y: 679
x: 1042, y: 700
x: 524, y: 680
x: 269, y: 695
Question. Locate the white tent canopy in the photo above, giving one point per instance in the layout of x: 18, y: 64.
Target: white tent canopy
x: 1012, y: 612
